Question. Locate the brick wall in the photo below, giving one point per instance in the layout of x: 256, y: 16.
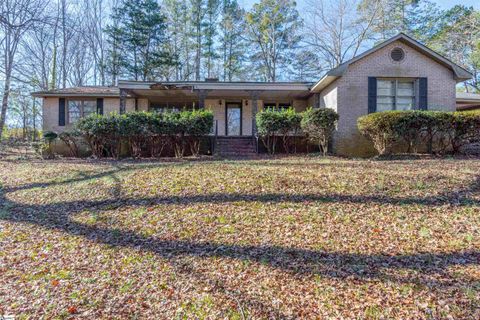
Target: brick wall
x: 353, y: 91
x: 329, y: 96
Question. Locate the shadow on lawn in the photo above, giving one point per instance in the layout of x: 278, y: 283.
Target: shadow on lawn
x: 57, y: 216
x: 296, y: 260
x: 340, y: 265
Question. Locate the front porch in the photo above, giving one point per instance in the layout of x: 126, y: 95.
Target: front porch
x: 234, y: 105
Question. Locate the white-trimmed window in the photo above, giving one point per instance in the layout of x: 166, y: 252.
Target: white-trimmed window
x: 395, y: 94
x: 80, y: 108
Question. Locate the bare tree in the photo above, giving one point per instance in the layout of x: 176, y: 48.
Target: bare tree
x: 335, y: 31
x: 16, y: 18
x: 37, y: 65
x: 95, y: 16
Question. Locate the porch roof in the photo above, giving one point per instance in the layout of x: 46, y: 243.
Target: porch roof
x: 82, y: 91
x: 215, y: 85
x: 216, y: 90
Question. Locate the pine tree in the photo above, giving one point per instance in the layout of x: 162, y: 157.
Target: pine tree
x: 197, y: 12
x: 210, y: 30
x: 232, y: 27
x: 141, y: 33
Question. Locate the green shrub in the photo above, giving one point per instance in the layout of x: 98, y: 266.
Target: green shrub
x: 409, y: 126
x: 437, y: 126
x: 465, y: 129
x: 319, y: 125
x: 268, y: 124
x: 272, y: 124
x: 290, y: 124
x: 70, y: 138
x: 102, y: 133
x: 46, y: 151
x: 198, y: 123
x: 381, y: 128
x: 445, y: 130
x: 50, y: 136
x: 105, y: 134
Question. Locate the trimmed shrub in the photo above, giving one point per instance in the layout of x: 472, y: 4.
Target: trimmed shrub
x: 198, y: 123
x: 465, y: 129
x: 272, y: 124
x: 319, y: 125
x: 438, y: 131
x: 290, y: 124
x: 435, y: 132
x: 46, y: 149
x: 268, y: 124
x: 70, y: 138
x: 106, y: 134
x: 102, y: 133
x: 380, y: 127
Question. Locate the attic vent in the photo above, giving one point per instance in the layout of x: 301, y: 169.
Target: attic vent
x: 397, y: 54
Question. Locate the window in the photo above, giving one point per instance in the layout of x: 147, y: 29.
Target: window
x: 171, y: 106
x: 278, y: 106
x: 395, y: 94
x: 80, y: 108
x: 284, y: 106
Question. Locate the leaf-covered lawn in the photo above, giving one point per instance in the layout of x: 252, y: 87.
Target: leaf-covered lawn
x: 299, y: 237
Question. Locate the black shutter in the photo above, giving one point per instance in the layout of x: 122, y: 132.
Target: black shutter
x: 422, y: 93
x: 372, y: 94
x: 61, y: 112
x: 100, y: 105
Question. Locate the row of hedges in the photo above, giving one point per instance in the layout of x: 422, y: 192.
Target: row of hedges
x: 317, y: 124
x: 433, y: 131
x: 143, y: 132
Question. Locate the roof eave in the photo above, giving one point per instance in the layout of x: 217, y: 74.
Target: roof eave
x: 460, y: 74
x: 68, y: 95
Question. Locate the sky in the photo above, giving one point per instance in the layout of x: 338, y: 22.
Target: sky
x: 444, y: 4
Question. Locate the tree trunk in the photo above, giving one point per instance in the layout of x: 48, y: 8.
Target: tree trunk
x: 6, y: 93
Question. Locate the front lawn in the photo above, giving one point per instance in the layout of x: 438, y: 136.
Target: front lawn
x: 293, y: 237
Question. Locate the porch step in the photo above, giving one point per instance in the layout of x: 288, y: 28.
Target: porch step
x: 235, y: 146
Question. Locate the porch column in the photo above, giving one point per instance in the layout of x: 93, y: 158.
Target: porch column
x: 316, y: 101
x: 123, y: 100
x: 254, y: 97
x: 202, y: 94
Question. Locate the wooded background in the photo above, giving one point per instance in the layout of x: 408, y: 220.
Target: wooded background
x: 49, y: 44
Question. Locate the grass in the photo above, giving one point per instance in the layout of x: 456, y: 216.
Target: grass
x: 297, y: 237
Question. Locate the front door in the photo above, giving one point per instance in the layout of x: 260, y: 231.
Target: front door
x: 233, y: 115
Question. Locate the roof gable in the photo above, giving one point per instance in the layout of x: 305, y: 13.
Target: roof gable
x: 460, y: 73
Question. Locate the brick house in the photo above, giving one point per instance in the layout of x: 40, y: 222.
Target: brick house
x: 398, y: 74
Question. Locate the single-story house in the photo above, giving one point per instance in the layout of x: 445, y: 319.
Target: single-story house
x: 468, y: 101
x: 397, y: 74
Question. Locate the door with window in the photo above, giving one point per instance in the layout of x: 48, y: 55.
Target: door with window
x: 233, y: 119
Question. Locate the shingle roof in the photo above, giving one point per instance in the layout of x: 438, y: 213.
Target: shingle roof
x: 468, y: 96
x: 81, y: 91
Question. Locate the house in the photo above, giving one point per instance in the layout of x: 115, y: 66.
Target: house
x: 397, y: 74
x: 468, y: 101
